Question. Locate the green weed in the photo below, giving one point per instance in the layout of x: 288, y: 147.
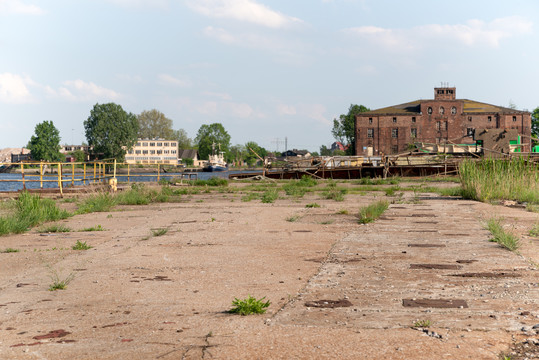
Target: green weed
x: 54, y: 228
x: 293, y: 218
x: 57, y: 283
x: 269, y: 196
x: 312, y: 205
x: 370, y: 213
x: 159, y: 232
x: 10, y: 250
x: 81, y: 246
x: 335, y: 194
x: 93, y: 228
x: 500, y: 236
x: 534, y: 231
x: 249, y: 306
x: 422, y: 323
x: 101, y: 202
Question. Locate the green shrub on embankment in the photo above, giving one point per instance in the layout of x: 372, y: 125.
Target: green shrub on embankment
x: 490, y: 179
x: 29, y: 211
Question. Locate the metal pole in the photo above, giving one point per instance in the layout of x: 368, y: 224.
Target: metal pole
x: 22, y: 174
x: 41, y: 175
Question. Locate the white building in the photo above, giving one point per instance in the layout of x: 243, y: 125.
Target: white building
x: 153, y: 151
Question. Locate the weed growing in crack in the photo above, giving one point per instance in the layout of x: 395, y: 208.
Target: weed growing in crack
x: 57, y: 283
x: 293, y: 218
x: 81, y: 246
x: 248, y: 306
x: 10, y: 250
x: 93, y: 228
x: 159, y: 232
x: 312, y: 205
x: 54, y: 228
x: 422, y: 324
x: 370, y: 213
x: 500, y: 236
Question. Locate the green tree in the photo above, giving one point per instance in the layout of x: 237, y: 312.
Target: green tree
x: 344, y: 128
x: 237, y: 154
x: 250, y: 158
x: 111, y: 131
x: 154, y: 124
x: 212, y: 134
x: 79, y: 155
x: 535, y: 122
x: 45, y: 144
x: 184, y: 142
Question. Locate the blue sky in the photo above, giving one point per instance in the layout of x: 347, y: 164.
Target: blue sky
x: 267, y: 70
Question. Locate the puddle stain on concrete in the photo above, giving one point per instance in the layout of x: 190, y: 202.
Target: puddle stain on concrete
x: 436, y: 266
x: 435, y: 303
x: 328, y: 303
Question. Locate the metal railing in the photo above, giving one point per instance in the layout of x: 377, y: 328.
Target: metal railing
x: 85, y: 173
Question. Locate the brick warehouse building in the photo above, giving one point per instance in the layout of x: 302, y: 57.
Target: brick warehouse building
x: 443, y: 120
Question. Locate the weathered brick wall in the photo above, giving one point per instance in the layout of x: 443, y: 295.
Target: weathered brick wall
x: 435, y: 126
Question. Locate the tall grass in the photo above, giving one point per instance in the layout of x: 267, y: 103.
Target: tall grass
x: 491, y: 179
x: 29, y: 211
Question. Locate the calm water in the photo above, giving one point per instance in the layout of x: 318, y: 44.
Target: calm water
x: 31, y: 182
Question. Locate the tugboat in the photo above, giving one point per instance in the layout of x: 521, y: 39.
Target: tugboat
x: 216, y: 162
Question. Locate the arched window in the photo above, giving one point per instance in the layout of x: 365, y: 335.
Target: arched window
x: 429, y: 110
x: 442, y: 110
x: 453, y: 110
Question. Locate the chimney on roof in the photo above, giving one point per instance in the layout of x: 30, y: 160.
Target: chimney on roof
x: 445, y: 93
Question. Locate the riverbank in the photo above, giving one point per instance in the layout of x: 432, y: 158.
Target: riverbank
x: 136, y: 294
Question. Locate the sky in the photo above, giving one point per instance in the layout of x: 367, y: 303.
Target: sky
x: 269, y: 71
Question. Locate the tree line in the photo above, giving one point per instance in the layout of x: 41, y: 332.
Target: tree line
x: 110, y: 131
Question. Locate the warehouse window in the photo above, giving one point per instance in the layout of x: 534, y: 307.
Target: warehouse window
x: 370, y: 133
x: 413, y: 132
x: 394, y: 133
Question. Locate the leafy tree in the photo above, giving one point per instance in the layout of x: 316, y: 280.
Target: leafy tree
x: 154, y: 124
x: 237, y: 154
x: 184, y: 142
x: 250, y: 158
x: 45, y: 144
x: 343, y: 128
x: 79, y: 155
x: 535, y: 122
x: 212, y: 134
x: 110, y: 130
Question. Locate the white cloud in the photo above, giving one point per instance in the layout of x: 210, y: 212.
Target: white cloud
x: 242, y: 10
x: 284, y: 50
x: 315, y: 112
x: 171, y: 80
x: 14, y: 89
x: 473, y: 33
x: 79, y: 90
x: 19, y: 7
x: 223, y: 96
x: 160, y: 4
x: 283, y: 109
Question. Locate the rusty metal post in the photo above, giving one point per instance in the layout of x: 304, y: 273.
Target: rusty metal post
x: 41, y: 175
x: 22, y: 174
x: 72, y: 174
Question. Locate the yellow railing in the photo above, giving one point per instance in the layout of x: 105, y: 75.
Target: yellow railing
x: 85, y: 172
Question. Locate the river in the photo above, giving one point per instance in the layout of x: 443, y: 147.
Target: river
x: 11, y: 182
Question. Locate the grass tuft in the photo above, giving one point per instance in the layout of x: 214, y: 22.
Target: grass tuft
x: 500, y: 236
x: 249, y: 306
x: 54, y: 228
x: 81, y: 246
x: 10, y: 250
x: 422, y: 324
x: 160, y: 232
x: 370, y: 213
x: 312, y: 205
x: 93, y: 228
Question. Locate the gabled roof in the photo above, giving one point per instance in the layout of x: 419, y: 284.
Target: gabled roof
x: 413, y: 108
x: 188, y: 154
x: 410, y: 108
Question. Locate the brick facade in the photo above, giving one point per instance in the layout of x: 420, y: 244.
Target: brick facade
x: 443, y: 120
